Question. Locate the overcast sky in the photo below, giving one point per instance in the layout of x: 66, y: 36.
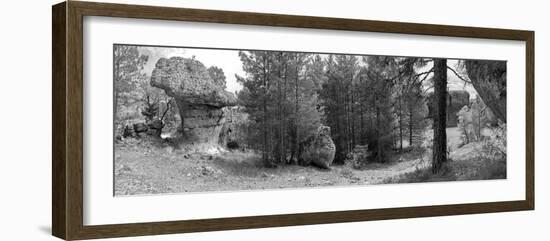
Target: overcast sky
x: 231, y: 64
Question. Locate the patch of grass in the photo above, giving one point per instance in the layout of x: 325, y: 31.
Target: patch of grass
x: 473, y: 169
x: 424, y: 174
x: 347, y: 173
x: 488, y: 169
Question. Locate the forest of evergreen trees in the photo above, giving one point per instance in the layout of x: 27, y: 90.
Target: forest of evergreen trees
x: 377, y: 101
x: 373, y: 103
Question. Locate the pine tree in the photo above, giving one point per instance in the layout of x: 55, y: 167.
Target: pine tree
x: 440, y: 114
x: 381, y: 72
x: 280, y: 100
x: 258, y: 66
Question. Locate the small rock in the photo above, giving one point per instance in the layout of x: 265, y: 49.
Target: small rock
x: 140, y: 127
x: 125, y: 168
x: 206, y: 171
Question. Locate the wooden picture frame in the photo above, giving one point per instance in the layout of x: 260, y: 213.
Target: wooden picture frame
x: 67, y: 123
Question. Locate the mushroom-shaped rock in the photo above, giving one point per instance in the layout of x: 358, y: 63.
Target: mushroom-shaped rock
x: 489, y: 80
x: 188, y: 80
x: 199, y: 98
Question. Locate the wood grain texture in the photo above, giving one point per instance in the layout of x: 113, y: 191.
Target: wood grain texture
x: 280, y: 20
x: 59, y: 192
x: 530, y: 120
x: 121, y: 230
x: 67, y: 136
x: 74, y: 122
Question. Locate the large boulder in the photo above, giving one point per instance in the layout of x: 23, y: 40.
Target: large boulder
x: 200, y: 99
x: 489, y: 80
x: 188, y: 80
x: 318, y: 149
x: 456, y: 99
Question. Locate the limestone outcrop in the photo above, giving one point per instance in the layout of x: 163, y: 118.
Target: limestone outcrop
x: 200, y: 99
x: 489, y: 81
x: 318, y: 149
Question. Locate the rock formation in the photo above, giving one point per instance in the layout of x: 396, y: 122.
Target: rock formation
x: 489, y: 80
x: 199, y: 99
x: 234, y: 132
x: 140, y: 128
x: 155, y: 127
x: 456, y: 99
x: 318, y: 149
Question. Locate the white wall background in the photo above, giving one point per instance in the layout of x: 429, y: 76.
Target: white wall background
x: 25, y: 120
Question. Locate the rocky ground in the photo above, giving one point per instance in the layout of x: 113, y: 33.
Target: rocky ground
x: 144, y: 169
x: 141, y: 170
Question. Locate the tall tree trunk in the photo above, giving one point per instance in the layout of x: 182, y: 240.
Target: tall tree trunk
x: 440, y: 114
x: 345, y: 118
x: 296, y: 111
x: 339, y: 118
x: 284, y: 124
x: 279, y: 114
x: 400, y: 123
x: 361, y: 136
x: 348, y: 127
x: 410, y: 126
x: 373, y: 111
x: 265, y: 155
x: 352, y: 119
x: 378, y: 136
x: 449, y: 104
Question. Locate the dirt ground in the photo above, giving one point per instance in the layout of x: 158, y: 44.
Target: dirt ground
x: 151, y: 171
x: 146, y: 169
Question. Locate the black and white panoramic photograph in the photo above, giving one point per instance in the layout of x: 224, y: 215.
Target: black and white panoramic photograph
x: 190, y: 119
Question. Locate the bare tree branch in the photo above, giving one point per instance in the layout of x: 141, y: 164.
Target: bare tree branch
x: 457, y: 75
x: 426, y: 90
x: 426, y: 74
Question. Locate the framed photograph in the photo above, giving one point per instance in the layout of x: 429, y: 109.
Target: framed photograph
x: 171, y: 120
